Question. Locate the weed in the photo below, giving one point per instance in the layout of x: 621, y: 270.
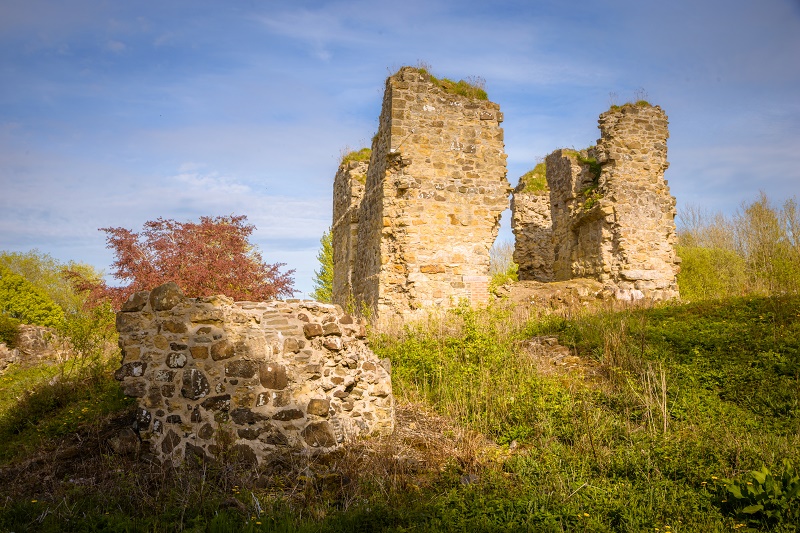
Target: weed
x: 355, y: 156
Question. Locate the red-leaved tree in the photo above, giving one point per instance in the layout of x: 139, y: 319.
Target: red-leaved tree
x: 204, y: 258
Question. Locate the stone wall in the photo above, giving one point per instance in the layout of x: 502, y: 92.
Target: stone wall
x: 211, y: 374
x: 436, y: 187
x: 533, y: 233
x: 348, y: 190
x: 612, y: 217
x: 633, y: 152
x: 582, y: 218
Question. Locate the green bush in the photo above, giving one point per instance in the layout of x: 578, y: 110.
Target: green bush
x: 21, y: 299
x: 9, y: 328
x: 708, y: 273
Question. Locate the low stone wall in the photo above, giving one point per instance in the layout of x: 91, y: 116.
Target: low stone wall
x: 211, y: 375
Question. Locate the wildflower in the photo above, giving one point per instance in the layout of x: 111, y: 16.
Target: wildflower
x: 34, y: 501
x: 714, y: 477
x: 585, y: 514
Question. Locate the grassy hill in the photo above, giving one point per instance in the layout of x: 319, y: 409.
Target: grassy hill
x: 674, y: 418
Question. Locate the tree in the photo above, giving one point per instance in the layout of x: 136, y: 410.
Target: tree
x: 48, y: 274
x: 22, y: 300
x: 323, y: 278
x: 204, y: 258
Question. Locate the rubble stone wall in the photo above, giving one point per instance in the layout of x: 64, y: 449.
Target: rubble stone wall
x: 254, y: 377
x: 348, y: 190
x: 582, y: 221
x: 633, y: 152
x: 533, y: 233
x: 436, y: 188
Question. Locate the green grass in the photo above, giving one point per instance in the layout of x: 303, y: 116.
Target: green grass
x: 470, y: 88
x: 673, y: 406
x: 535, y: 180
x: 356, y: 155
x: 46, y: 403
x: 638, y: 103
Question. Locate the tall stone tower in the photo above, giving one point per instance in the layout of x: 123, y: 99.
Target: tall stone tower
x: 435, y: 190
x: 632, y: 150
x: 611, y: 216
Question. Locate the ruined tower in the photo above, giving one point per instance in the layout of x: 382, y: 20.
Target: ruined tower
x: 436, y: 187
x: 632, y: 150
x: 612, y: 217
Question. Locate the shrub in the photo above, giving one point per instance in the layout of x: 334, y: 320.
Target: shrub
x: 21, y: 299
x: 762, y: 498
x: 9, y: 328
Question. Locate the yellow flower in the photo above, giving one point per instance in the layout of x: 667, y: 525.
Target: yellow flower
x: 34, y: 501
x: 585, y: 514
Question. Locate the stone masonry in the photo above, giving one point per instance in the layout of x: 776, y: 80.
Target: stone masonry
x: 213, y: 376
x: 612, y: 216
x: 436, y: 187
x: 348, y: 190
x: 533, y: 233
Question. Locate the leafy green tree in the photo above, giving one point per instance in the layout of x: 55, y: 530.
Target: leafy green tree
x: 323, y: 278
x: 21, y: 299
x: 48, y: 274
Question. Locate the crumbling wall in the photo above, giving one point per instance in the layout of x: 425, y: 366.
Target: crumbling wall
x: 533, y: 233
x: 613, y: 218
x: 436, y: 187
x: 348, y: 190
x: 582, y: 217
x: 633, y: 152
x: 256, y: 378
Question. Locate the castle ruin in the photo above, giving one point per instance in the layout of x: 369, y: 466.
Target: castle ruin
x: 413, y: 226
x: 612, y: 217
x: 435, y: 190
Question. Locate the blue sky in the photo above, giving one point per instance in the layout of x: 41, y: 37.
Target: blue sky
x: 115, y: 113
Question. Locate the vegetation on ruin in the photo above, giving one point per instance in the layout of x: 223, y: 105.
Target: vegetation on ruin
x: 675, y: 417
x: 535, y: 180
x: 637, y: 103
x: 473, y: 87
x: 356, y: 155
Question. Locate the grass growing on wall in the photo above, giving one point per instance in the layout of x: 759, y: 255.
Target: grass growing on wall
x: 535, y: 180
x: 473, y: 87
x: 356, y: 156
